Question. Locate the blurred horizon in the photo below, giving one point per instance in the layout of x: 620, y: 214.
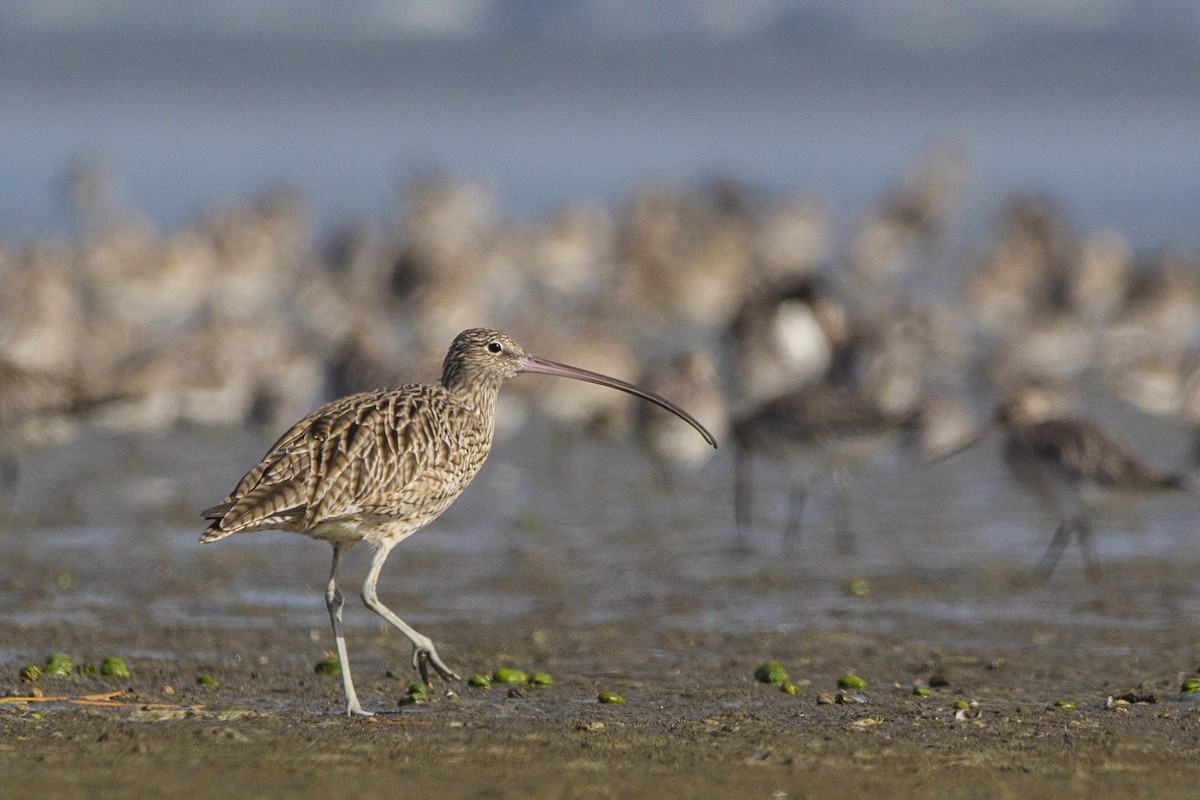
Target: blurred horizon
x: 1093, y: 102
x: 898, y: 22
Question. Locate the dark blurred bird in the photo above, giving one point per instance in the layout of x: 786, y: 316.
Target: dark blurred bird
x: 1067, y: 463
x: 31, y: 403
x: 818, y: 430
x: 378, y: 466
x: 787, y: 333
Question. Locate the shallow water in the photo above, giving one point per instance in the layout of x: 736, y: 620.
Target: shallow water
x: 587, y: 537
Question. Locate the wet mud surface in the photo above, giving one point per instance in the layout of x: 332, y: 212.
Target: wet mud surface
x: 649, y: 602
x: 694, y: 720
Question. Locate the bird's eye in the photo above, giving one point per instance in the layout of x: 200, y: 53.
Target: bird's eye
x: 494, y: 347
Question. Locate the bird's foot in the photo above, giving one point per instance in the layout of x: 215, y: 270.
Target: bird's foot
x: 355, y: 710
x: 426, y: 657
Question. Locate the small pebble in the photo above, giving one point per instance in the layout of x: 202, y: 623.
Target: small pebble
x: 825, y: 699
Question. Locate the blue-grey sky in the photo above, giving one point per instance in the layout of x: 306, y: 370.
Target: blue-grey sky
x: 194, y: 103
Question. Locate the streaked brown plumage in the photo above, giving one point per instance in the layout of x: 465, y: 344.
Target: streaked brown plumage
x: 379, y: 466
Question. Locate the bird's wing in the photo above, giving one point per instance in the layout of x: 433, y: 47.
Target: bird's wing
x: 1087, y: 453
x: 274, y: 492
x: 376, y: 452
x: 819, y: 411
x: 390, y: 456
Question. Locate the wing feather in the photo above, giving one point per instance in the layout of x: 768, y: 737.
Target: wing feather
x: 399, y: 452
x: 1086, y: 453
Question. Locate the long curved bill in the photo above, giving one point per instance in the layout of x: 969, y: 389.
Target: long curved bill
x: 544, y: 366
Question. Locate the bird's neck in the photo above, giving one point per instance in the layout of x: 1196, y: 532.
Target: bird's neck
x: 477, y: 392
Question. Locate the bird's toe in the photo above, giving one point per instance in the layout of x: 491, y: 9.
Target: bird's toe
x: 426, y: 658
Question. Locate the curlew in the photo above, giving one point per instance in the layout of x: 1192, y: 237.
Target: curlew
x: 1068, y: 464
x: 378, y: 466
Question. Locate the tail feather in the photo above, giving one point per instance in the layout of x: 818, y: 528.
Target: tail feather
x: 217, y: 513
x: 251, y: 513
x: 212, y: 533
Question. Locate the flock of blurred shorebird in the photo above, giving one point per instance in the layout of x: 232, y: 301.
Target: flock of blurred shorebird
x: 792, y: 334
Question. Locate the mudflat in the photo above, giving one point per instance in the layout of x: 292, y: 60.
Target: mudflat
x: 1071, y: 688
x: 694, y: 721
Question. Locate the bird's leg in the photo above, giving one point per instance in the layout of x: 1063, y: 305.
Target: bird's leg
x: 424, y: 653
x: 843, y: 518
x: 1091, y: 567
x: 741, y: 497
x: 9, y: 475
x: 333, y: 601
x: 9, y: 471
x: 664, y: 478
x: 797, y: 499
x: 1059, y: 543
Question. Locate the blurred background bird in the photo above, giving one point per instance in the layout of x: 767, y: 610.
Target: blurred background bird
x: 1070, y: 463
